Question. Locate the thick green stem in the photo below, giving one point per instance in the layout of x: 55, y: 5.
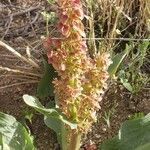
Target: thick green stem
x: 75, y: 141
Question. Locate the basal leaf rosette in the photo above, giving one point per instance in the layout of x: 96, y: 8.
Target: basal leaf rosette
x: 81, y: 80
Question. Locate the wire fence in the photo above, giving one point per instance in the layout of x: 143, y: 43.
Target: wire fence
x: 117, y: 39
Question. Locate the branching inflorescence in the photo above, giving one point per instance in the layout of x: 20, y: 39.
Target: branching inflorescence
x: 81, y: 79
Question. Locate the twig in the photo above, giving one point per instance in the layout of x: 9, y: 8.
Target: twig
x: 8, y: 5
x: 35, y: 18
x: 15, y: 84
x: 25, y: 11
x: 17, y: 76
x: 29, y: 61
x: 18, y: 71
x: 10, y: 21
x: 101, y: 39
x: 30, y: 22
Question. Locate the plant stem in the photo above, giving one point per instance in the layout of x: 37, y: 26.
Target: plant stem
x: 17, y: 54
x: 75, y: 140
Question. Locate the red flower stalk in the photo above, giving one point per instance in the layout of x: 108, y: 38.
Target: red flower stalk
x: 81, y: 80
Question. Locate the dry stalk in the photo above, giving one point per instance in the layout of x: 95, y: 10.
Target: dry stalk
x: 20, y: 83
x: 92, y: 44
x: 121, y: 18
x: 19, y: 71
x: 17, y: 54
x: 17, y: 76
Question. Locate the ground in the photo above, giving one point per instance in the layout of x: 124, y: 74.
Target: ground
x: 25, y: 28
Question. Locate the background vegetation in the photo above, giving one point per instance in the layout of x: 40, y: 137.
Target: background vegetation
x: 120, y: 27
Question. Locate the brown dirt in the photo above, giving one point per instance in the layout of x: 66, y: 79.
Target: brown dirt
x: 118, y: 101
x: 20, y: 34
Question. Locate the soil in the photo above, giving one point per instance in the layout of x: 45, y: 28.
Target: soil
x: 25, y: 30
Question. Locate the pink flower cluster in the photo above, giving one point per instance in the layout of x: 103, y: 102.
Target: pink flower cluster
x: 81, y: 80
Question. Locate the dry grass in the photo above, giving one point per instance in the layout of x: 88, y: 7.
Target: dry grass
x: 23, y: 69
x: 117, y: 18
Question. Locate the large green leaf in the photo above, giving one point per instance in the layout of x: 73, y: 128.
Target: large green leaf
x: 59, y: 127
x: 133, y: 135
x: 50, y: 113
x: 46, y: 87
x: 117, y: 60
x: 53, y: 118
x: 111, y: 144
x: 13, y: 135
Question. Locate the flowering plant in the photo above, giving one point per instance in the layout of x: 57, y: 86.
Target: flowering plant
x: 81, y: 80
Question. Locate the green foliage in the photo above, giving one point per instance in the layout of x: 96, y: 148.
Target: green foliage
x: 117, y: 60
x: 130, y: 74
x: 137, y: 116
x: 13, y: 135
x: 133, y: 135
x: 59, y: 127
x: 53, y: 118
x: 50, y: 113
x: 108, y: 115
x: 46, y: 87
x: 51, y: 1
x: 50, y: 18
x: 122, y: 76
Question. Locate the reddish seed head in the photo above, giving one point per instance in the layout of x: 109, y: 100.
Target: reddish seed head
x: 81, y: 80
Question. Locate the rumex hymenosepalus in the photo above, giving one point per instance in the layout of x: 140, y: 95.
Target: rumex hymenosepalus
x: 81, y: 79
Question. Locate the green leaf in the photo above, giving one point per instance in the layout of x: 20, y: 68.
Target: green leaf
x: 128, y: 86
x: 136, y: 116
x: 51, y: 1
x: 117, y: 60
x: 124, y: 80
x: 59, y: 127
x: 53, y: 118
x: 144, y: 147
x: 52, y: 112
x: 133, y: 135
x: 144, y: 46
x: 13, y: 135
x: 111, y: 144
x: 46, y: 87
